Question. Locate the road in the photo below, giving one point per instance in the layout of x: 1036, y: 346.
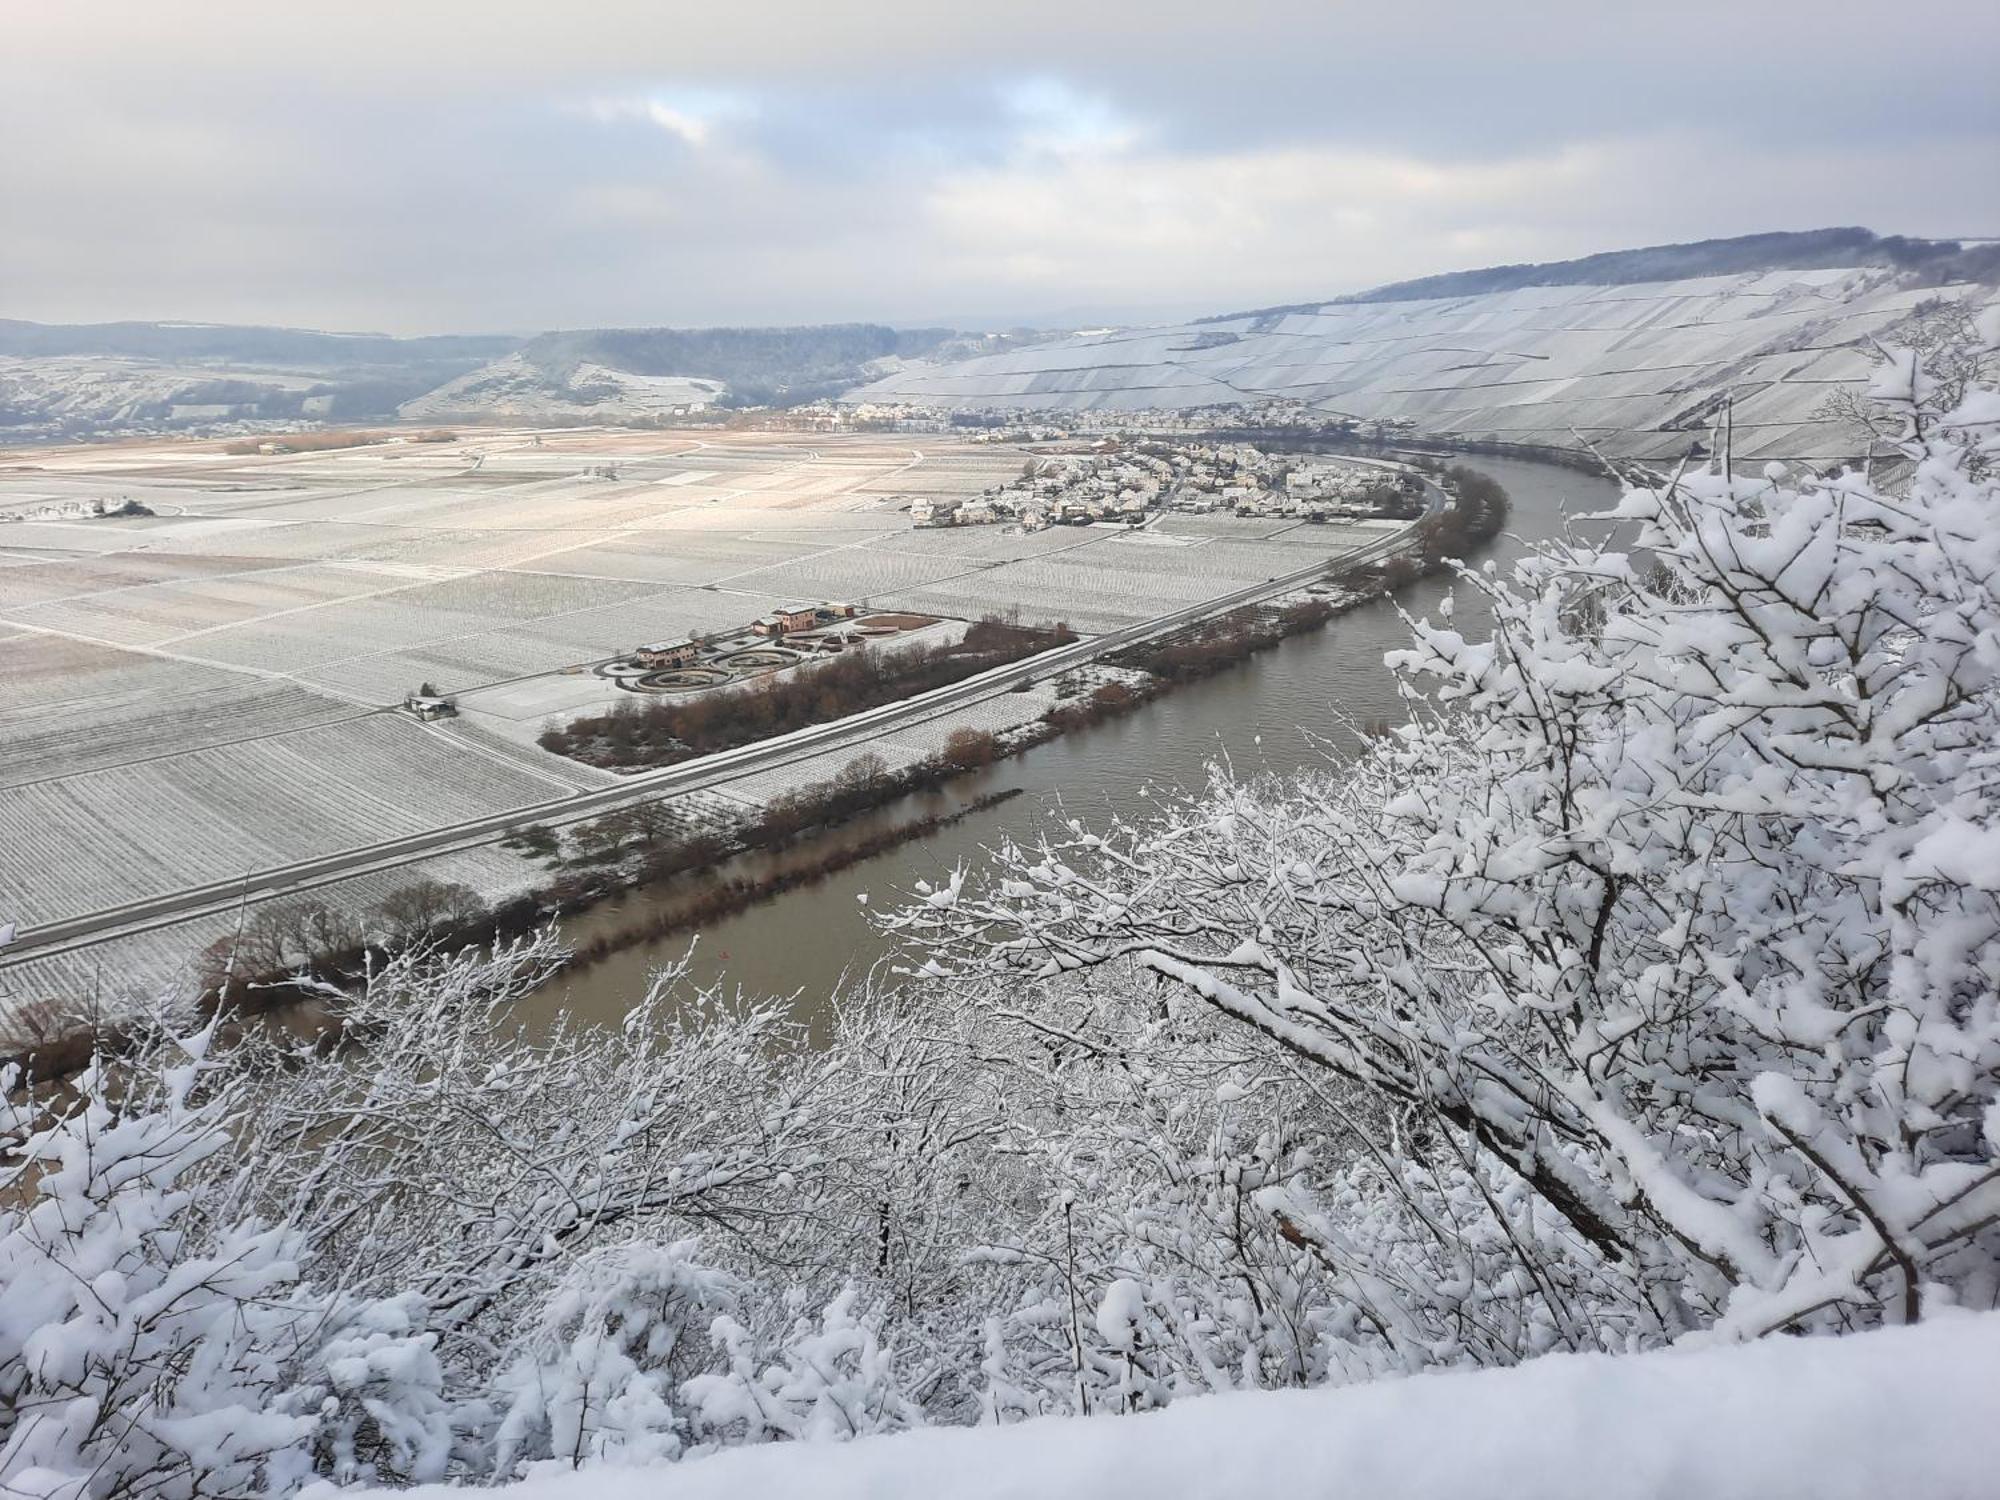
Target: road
x: 725, y: 766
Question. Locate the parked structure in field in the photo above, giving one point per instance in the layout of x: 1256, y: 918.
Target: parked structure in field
x: 428, y: 707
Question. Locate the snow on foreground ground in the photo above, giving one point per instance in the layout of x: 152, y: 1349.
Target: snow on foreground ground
x: 1903, y: 1411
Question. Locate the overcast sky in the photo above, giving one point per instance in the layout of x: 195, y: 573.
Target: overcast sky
x: 440, y: 165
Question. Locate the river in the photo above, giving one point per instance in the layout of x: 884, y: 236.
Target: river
x: 1277, y: 712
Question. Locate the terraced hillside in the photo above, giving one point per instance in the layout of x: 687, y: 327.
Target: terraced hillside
x: 1639, y: 369
x: 75, y: 380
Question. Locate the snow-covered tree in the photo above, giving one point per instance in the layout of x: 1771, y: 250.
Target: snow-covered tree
x: 384, y: 1407
x: 142, y: 1352
x: 1282, y: 1228
x: 830, y: 1379
x: 598, y: 1379
x: 1677, y: 909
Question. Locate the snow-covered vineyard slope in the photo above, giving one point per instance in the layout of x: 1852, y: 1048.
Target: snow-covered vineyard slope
x: 515, y: 388
x: 1903, y: 1411
x: 1635, y: 368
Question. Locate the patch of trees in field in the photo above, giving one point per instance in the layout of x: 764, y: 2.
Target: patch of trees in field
x: 1219, y: 643
x: 304, y: 442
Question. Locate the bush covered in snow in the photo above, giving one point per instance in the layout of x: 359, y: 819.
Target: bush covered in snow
x: 1667, y: 934
x: 1640, y: 990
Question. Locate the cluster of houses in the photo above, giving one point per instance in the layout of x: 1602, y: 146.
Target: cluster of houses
x: 1113, y: 482
x: 1015, y: 424
x: 786, y: 619
x: 1272, y: 414
x: 1337, y: 491
x: 1066, y: 489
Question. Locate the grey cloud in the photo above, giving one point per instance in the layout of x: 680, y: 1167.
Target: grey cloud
x: 502, y: 165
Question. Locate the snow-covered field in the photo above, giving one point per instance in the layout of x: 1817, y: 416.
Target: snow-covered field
x: 80, y: 843
x: 1117, y: 577
x: 210, y: 690
x: 1635, y: 368
x: 1899, y: 1412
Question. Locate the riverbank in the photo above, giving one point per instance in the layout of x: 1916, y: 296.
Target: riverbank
x: 1302, y: 705
x: 688, y: 910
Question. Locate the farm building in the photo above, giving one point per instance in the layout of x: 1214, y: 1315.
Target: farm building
x: 427, y: 707
x: 678, y: 653
x: 786, y: 618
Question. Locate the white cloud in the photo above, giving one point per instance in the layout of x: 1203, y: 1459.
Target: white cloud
x: 1055, y: 118
x: 691, y: 117
x: 1295, y: 222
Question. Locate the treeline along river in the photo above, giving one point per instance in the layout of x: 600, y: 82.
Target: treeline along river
x: 1278, y: 712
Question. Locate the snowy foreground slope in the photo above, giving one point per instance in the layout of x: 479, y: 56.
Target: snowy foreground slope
x: 1899, y: 1412
x: 1637, y: 369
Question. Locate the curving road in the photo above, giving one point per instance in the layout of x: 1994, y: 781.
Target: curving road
x: 710, y: 770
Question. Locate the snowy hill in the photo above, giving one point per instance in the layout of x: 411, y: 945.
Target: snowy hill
x: 76, y: 380
x: 518, y: 388
x: 1903, y: 1411
x: 1638, y: 368
x: 614, y: 374
x: 1935, y: 261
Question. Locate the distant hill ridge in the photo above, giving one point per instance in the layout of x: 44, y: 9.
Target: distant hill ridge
x: 1785, y: 250
x: 78, y: 379
x: 729, y: 353
x: 1632, y: 353
x: 1394, y: 353
x: 171, y: 341
x: 759, y: 365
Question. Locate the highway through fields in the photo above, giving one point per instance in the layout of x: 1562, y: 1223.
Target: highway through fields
x: 708, y: 771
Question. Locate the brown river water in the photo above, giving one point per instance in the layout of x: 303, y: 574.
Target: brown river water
x: 1278, y: 712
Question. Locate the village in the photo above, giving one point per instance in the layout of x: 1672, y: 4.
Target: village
x: 1130, y: 482
x: 1055, y: 423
